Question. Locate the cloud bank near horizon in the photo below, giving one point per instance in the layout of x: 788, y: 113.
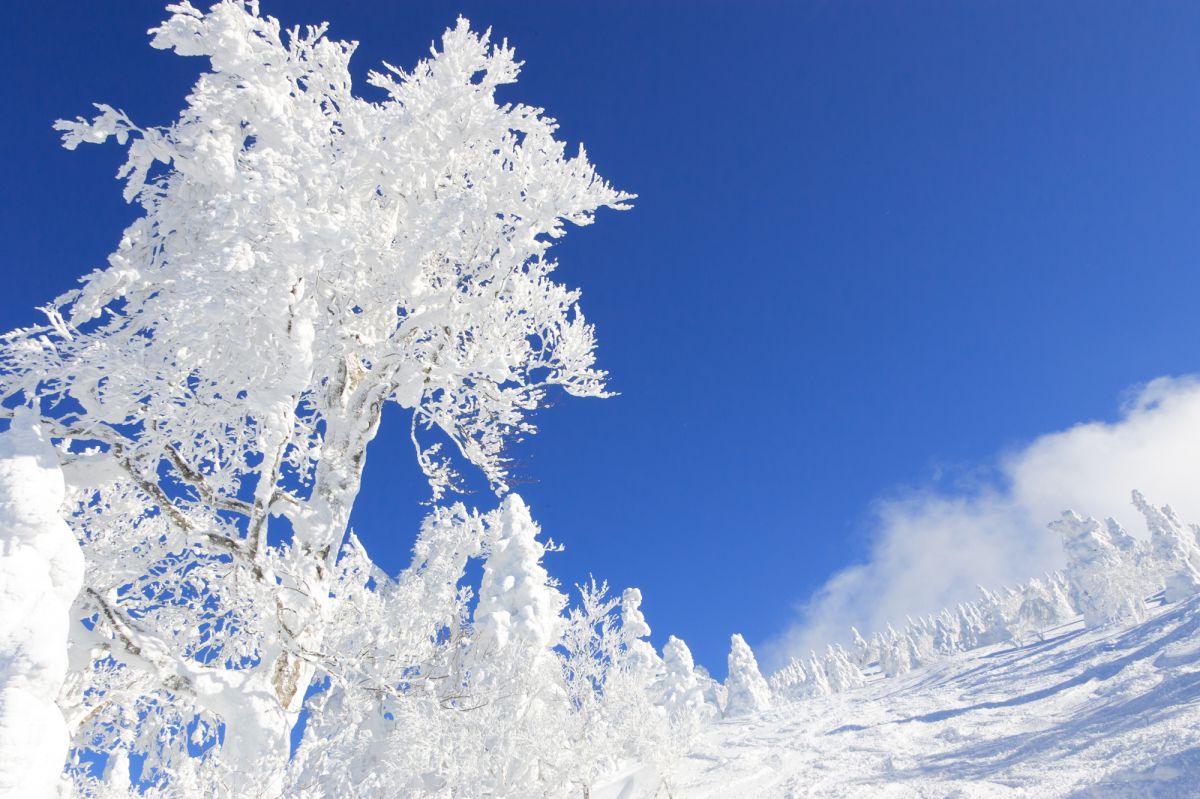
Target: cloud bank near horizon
x: 931, y: 547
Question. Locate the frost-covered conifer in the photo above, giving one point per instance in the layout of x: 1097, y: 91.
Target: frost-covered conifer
x: 861, y: 652
x: 679, y: 688
x: 1037, y: 610
x: 512, y: 666
x: 818, y: 679
x: 878, y: 642
x: 1060, y: 591
x: 1173, y: 551
x: 642, y: 657
x: 1104, y: 587
x: 994, y: 615
x: 518, y: 605
x: 920, y: 636
x: 714, y: 691
x: 361, y: 726
x: 946, y: 638
x: 790, y: 682
x: 895, y: 657
x: 917, y: 653
x: 971, y: 625
x: 748, y: 691
x: 840, y: 672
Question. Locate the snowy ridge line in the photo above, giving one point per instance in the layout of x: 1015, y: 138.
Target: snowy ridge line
x: 1110, y: 578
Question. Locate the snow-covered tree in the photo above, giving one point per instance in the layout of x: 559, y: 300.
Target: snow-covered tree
x: 748, y: 691
x: 818, y: 680
x: 862, y: 652
x: 514, y: 679
x: 1060, y: 589
x: 1104, y: 586
x: 303, y: 256
x: 521, y: 700
x: 842, y: 674
x: 714, y: 691
x: 1174, y: 555
x: 399, y: 677
x: 41, y: 571
x: 994, y: 613
x: 1038, y: 609
x: 968, y: 629
x: 617, y: 715
x: 946, y: 636
x: 895, y: 657
x: 679, y: 689
x: 519, y: 607
x: 642, y: 657
x: 790, y: 682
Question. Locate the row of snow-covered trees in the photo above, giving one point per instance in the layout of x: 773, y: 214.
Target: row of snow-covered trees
x: 1107, y: 580
x: 202, y: 407
x: 421, y: 693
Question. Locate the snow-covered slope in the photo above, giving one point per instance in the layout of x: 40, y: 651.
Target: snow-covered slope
x: 1107, y: 713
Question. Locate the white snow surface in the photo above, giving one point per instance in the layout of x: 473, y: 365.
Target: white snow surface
x: 1113, y: 712
x: 41, y: 571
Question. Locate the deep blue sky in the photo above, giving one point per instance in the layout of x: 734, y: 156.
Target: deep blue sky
x: 872, y: 239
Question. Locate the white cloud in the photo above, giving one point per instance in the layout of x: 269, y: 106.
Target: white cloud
x: 931, y: 547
